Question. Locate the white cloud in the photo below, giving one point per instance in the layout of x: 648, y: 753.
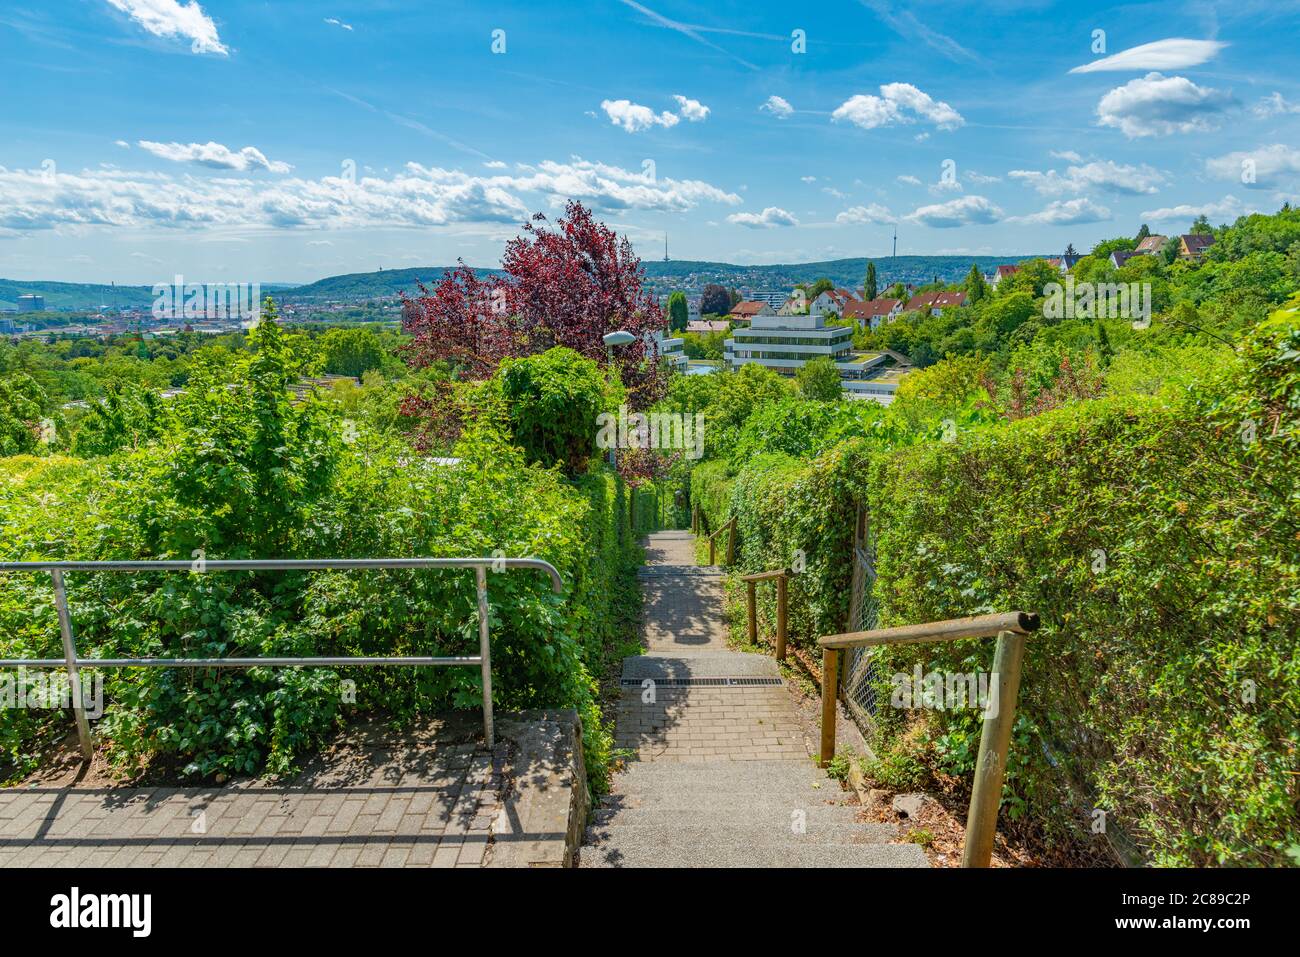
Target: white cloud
x: 634, y: 117
x: 168, y: 18
x: 873, y: 213
x: 122, y: 143
x: 777, y: 106
x: 1107, y: 175
x: 1227, y: 208
x: 1270, y: 165
x: 335, y: 22
x: 214, y: 155
x: 1157, y: 105
x: 981, y: 179
x: 1172, y: 54
x: 1069, y: 212
x: 494, y: 164
x: 1273, y: 104
x: 897, y: 103
x: 808, y: 179
x: 1070, y: 156
x: 31, y: 200
x: 832, y: 191
x: 692, y: 110
x: 909, y: 180
x: 767, y: 219
x: 966, y: 211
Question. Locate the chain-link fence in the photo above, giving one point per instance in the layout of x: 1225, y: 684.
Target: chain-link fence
x: 858, y: 684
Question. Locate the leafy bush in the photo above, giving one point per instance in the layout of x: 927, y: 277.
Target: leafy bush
x: 553, y: 400
x: 1160, y: 549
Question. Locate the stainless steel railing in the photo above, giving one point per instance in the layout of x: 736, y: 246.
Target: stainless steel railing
x: 74, y: 664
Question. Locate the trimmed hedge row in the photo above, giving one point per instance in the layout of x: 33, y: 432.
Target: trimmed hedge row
x: 1161, y: 544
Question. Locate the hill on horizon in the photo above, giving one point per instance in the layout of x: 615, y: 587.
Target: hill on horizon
x: 662, y: 277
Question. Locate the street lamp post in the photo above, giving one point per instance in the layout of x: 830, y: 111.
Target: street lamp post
x: 612, y: 339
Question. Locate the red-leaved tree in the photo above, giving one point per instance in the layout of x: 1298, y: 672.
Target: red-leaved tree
x: 564, y: 285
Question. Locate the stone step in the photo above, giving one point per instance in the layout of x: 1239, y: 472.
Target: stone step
x: 706, y: 664
x: 746, y: 835
x: 776, y: 814
x: 707, y: 855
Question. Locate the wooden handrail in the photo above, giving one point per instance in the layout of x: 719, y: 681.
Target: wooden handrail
x: 780, y: 575
x: 763, y: 576
x: 995, y: 736
x: 954, y: 629
x: 730, y: 526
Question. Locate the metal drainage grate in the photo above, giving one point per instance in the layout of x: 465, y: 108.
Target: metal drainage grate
x: 701, y: 682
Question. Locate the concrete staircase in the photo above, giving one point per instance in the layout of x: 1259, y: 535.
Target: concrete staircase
x: 722, y: 776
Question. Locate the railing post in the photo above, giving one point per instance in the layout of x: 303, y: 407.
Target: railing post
x: 731, y: 541
x: 70, y: 656
x: 751, y: 605
x: 713, y: 551
x: 830, y: 679
x: 995, y: 742
x: 485, y: 652
x: 780, y: 618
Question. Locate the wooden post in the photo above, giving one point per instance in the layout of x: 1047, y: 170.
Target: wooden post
x: 780, y: 618
x: 830, y: 679
x: 750, y: 604
x: 731, y: 541
x: 995, y: 742
x: 713, y: 548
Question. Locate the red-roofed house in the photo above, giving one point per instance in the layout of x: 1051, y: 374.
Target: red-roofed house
x: 1001, y: 273
x: 1152, y: 245
x: 745, y: 311
x: 935, y: 302
x: 872, y: 314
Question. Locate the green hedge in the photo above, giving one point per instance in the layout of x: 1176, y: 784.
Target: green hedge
x: 1163, y: 553
x: 1161, y: 549
x: 379, y: 501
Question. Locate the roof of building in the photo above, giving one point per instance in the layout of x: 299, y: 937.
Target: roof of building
x: 1198, y: 242
x: 869, y: 310
x: 1152, y: 244
x: 750, y: 307
x: 1120, y: 256
x: 935, y: 300
x: 707, y: 325
x: 1004, y: 271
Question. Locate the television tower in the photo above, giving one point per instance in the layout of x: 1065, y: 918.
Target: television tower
x: 665, y: 247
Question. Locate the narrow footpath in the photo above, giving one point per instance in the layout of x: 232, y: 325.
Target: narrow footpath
x: 721, y: 776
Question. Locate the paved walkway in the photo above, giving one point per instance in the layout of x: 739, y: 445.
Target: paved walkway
x: 428, y: 799
x: 721, y: 775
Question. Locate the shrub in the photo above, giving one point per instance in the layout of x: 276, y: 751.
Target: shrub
x: 553, y: 400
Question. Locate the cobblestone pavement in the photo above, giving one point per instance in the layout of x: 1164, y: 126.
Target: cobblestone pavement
x: 419, y: 802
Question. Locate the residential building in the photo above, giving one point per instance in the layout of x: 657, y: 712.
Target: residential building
x: 773, y: 299
x: 747, y: 310
x: 935, y: 302
x: 31, y: 303
x: 831, y: 302
x: 1001, y: 273
x: 1120, y: 256
x: 871, y: 315
x: 672, y: 351
x: 1194, y: 247
x: 1152, y: 245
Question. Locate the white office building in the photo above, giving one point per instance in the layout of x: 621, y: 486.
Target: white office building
x: 785, y: 343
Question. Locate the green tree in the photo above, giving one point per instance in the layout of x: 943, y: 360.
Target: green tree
x: 678, y: 312
x: 21, y: 405
x: 976, y: 287
x: 553, y: 400
x: 819, y: 380
x: 353, y: 351
x: 1201, y: 227
x: 869, y: 287
x: 1143, y: 233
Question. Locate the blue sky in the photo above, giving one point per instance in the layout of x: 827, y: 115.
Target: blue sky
x: 236, y: 141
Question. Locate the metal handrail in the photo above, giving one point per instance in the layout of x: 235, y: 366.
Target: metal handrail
x: 751, y: 605
x: 995, y: 735
x: 73, y: 663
